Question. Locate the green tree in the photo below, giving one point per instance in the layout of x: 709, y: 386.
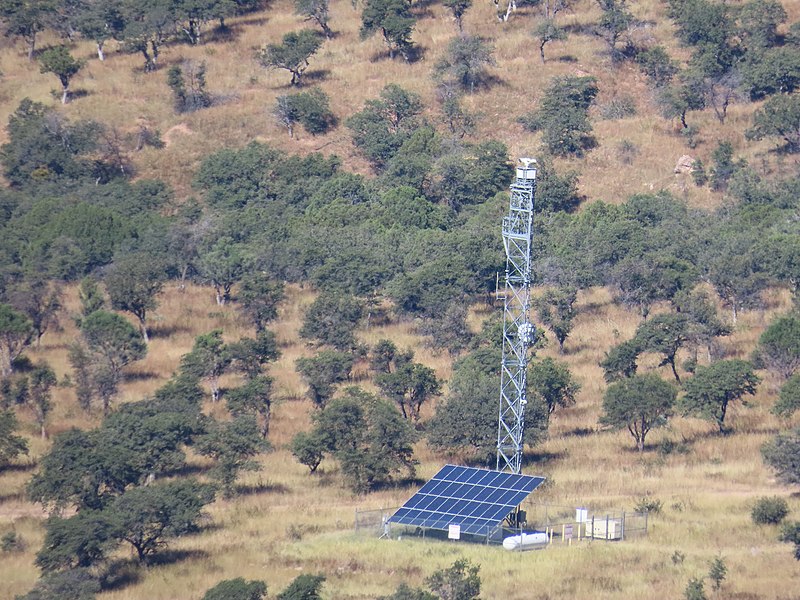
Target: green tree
x: 286, y: 113
x: 769, y: 511
x: 223, y: 264
x: 310, y: 109
x: 208, y: 359
x: 380, y: 129
x: 146, y: 517
x: 563, y: 115
x: 394, y: 20
x: 82, y: 540
x: 133, y: 285
x: 467, y: 419
x: 259, y: 297
x: 790, y: 533
x: 782, y: 454
x: 369, y: 439
x: 664, y: 334
x: 695, y: 590
x: 614, y: 23
x: 43, y: 145
x: 717, y: 572
x: 232, y: 445
x: 735, y: 268
x: 639, y: 403
x: 724, y: 166
x: 113, y: 343
x: 678, y: 99
x: 309, y: 449
x: 460, y: 581
x: 254, y: 398
x: 99, y: 21
x: 779, y: 346
x: 322, y: 372
x: 382, y: 356
x: 657, y: 65
x: 547, y: 31
x: 79, y: 472
x: 331, y: 319
x: 556, y: 310
x: 779, y: 117
x: 188, y: 84
x: 40, y: 380
x: 458, y: 8
x: 410, y: 386
x: 292, y: 54
x: 552, y: 383
x: 15, y: 333
x: 789, y: 400
x: 704, y: 323
x: 759, y: 22
x: 26, y: 19
x: 770, y: 71
x: 59, y: 62
x: 38, y: 299
x: 237, y: 589
x: 303, y: 587
x: 317, y: 11
x: 249, y: 355
x: 11, y: 444
x: 465, y: 62
x: 75, y: 584
x: 148, y: 25
x: 712, y: 389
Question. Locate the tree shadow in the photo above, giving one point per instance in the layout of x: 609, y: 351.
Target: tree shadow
x: 77, y: 94
x: 188, y: 471
x: 164, y: 330
x: 314, y: 76
x: 12, y: 496
x: 403, y: 484
x: 172, y: 556
x: 534, y: 458
x: 120, y: 574
x: 580, y: 28
x: 139, y: 376
x: 254, y: 489
x: 567, y: 58
x: 580, y: 432
x: 26, y: 467
x: 252, y: 20
x: 414, y: 54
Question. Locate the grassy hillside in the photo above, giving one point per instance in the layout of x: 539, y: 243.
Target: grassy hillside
x: 289, y: 522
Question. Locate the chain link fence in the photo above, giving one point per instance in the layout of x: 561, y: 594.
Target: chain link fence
x: 551, y: 524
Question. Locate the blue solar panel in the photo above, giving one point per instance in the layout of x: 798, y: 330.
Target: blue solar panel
x: 476, y: 499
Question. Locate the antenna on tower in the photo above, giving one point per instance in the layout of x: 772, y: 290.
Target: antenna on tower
x: 519, y: 334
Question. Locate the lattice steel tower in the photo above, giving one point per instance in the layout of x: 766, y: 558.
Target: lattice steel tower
x: 518, y: 331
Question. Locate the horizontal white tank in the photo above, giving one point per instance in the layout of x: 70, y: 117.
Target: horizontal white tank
x: 526, y: 541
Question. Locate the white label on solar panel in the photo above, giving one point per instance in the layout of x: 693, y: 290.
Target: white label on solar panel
x: 454, y: 532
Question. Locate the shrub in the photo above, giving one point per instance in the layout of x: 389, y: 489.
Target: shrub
x: 769, y: 511
x: 618, y: 108
x: 648, y: 505
x: 188, y: 85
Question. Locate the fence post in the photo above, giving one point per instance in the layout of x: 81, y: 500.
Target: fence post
x: 622, y: 527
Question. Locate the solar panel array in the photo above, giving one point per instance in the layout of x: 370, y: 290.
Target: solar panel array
x: 475, y: 499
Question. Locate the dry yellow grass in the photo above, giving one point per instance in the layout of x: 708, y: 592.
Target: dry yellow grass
x: 299, y: 523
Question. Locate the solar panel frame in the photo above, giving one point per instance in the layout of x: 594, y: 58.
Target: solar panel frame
x: 476, y: 499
